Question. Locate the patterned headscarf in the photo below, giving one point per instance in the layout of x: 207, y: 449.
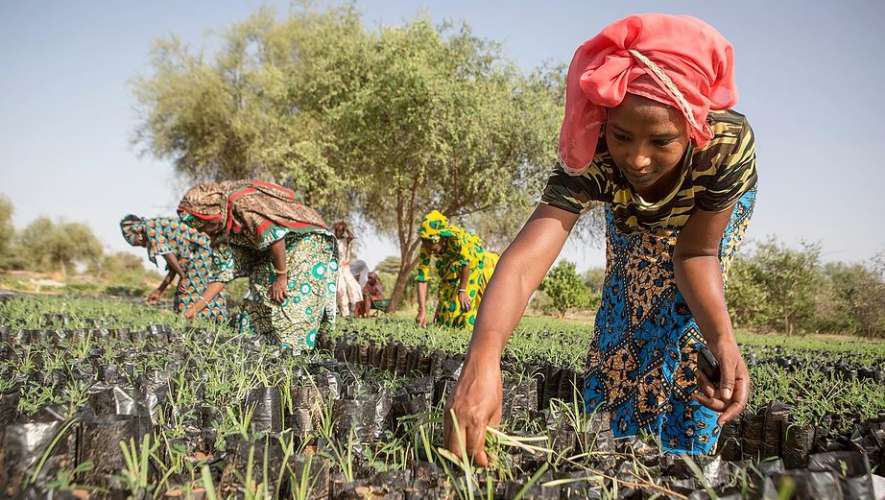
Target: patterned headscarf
x: 132, y: 226
x: 435, y: 226
x: 679, y: 61
x: 247, y: 208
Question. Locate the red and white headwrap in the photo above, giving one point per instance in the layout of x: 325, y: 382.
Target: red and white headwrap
x: 679, y: 61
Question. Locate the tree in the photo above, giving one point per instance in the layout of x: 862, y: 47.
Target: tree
x: 56, y: 247
x: 777, y: 283
x: 853, y: 299
x: 391, y: 123
x: 7, y: 230
x: 565, y: 288
x: 258, y: 109
x: 441, y: 121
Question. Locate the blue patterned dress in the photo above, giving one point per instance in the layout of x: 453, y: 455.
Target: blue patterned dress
x: 642, y: 361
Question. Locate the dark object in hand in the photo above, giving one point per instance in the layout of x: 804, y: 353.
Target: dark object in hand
x: 708, y: 365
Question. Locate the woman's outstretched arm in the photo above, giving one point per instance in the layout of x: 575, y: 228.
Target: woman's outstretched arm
x: 476, y: 400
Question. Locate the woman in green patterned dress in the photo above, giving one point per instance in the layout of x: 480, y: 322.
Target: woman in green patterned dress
x: 464, y: 268
x: 261, y: 231
x: 187, y: 253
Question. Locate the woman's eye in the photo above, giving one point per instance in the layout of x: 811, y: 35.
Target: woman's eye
x: 620, y: 137
x: 663, y: 142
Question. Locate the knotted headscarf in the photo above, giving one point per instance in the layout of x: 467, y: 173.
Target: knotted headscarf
x: 132, y: 226
x: 247, y: 208
x: 679, y: 61
x: 434, y: 226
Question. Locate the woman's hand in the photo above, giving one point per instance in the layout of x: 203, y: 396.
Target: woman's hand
x: 476, y: 404
x: 154, y: 296
x: 194, y: 308
x: 421, y: 319
x: 464, y: 299
x: 730, y: 397
x: 278, y: 289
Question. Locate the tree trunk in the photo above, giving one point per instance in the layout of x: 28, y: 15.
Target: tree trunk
x: 406, y: 201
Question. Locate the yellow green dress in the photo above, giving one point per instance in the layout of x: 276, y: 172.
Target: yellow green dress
x: 460, y: 248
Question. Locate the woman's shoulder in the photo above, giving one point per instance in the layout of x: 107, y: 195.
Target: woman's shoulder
x: 726, y: 124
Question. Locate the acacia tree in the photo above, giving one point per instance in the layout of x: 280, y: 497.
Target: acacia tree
x: 392, y: 123
x: 257, y: 109
x: 440, y: 121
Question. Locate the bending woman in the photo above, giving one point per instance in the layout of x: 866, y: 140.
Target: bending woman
x: 260, y: 231
x: 188, y: 254
x: 464, y: 268
x: 649, y: 133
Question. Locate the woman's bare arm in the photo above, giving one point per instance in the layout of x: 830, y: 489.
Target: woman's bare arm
x: 699, y: 278
x: 476, y: 400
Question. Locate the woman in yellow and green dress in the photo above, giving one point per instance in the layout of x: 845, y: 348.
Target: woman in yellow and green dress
x: 464, y: 268
x: 263, y: 232
x: 187, y: 253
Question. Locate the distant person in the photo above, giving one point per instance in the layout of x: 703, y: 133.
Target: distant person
x: 261, y: 231
x: 373, y: 292
x: 649, y: 132
x: 188, y: 254
x: 349, y: 293
x: 464, y: 268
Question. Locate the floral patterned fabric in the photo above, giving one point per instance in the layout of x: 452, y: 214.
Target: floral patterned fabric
x: 643, y: 357
x: 460, y: 249
x: 312, y: 265
x: 164, y: 235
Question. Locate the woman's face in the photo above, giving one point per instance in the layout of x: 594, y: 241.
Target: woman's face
x: 140, y: 240
x: 647, y: 140
x: 434, y: 247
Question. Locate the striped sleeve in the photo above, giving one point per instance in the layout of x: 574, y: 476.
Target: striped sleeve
x: 733, y: 171
x: 576, y: 193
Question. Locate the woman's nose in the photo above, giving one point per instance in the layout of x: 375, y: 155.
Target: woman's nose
x: 638, y: 161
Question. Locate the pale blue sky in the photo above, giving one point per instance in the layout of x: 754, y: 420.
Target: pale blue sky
x: 809, y: 74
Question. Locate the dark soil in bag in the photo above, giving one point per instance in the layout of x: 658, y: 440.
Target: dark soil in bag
x: 23, y: 447
x: 99, y: 444
x: 8, y: 408
x: 314, y: 471
x: 268, y: 413
x: 521, y: 400
x: 798, y: 442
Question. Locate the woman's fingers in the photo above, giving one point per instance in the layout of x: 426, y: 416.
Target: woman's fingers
x: 714, y: 404
x: 705, y: 386
x: 740, y: 396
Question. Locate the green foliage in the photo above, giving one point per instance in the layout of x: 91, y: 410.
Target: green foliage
x: 7, y: 230
x: 565, y: 288
x: 49, y: 246
x: 257, y: 108
x: 594, y: 278
x: 778, y: 288
x: 387, y: 122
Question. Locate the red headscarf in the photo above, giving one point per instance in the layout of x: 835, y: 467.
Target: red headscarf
x: 639, y: 54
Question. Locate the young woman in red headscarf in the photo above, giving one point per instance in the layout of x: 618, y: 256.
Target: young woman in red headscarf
x: 649, y: 132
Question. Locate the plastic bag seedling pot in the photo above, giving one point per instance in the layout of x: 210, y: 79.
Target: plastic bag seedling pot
x: 729, y: 446
x: 8, y: 407
x: 402, y: 359
x: 853, y: 469
x: 520, y: 399
x: 22, y: 450
x: 578, y: 487
x: 268, y: 412
x: 316, y: 469
x: 804, y: 485
x: 797, y: 445
x: 98, y: 443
